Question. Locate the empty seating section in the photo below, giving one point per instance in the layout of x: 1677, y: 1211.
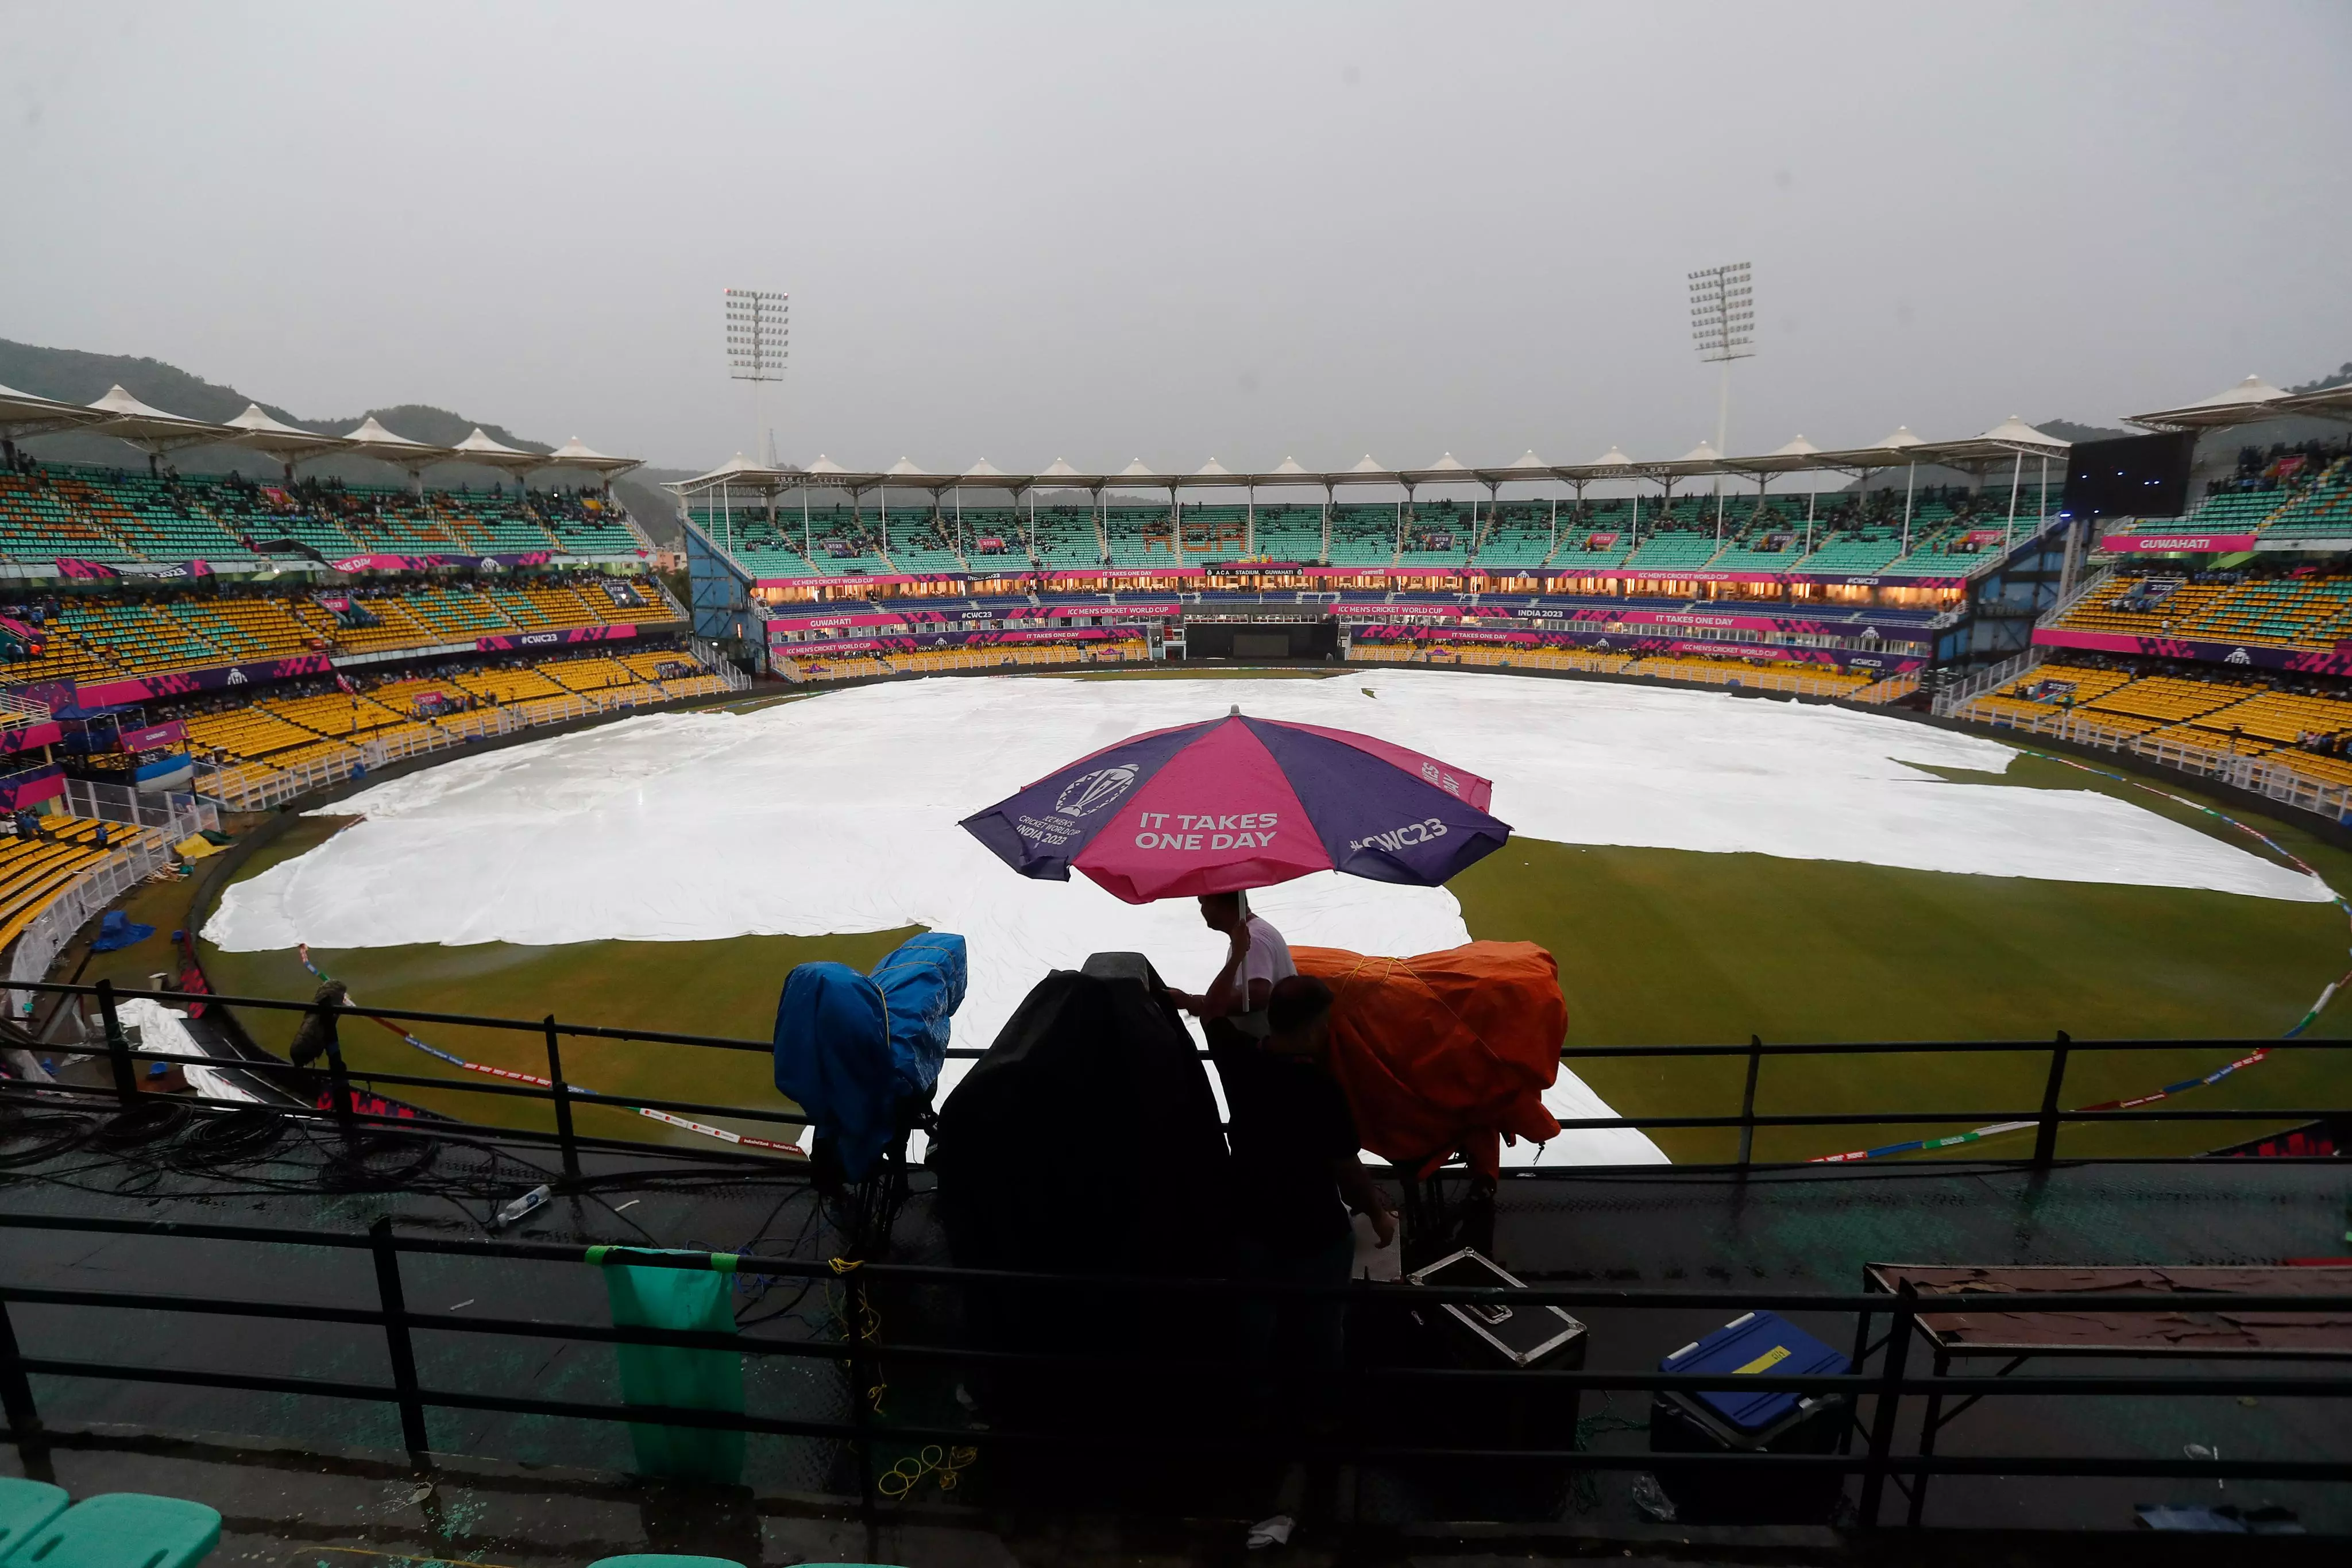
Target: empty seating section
x: 1209, y: 533
x: 1667, y: 550
x: 2232, y: 511
x: 2052, y: 687
x: 1858, y: 551
x: 995, y: 538
x: 1286, y: 532
x: 591, y: 527
x: 114, y: 515
x: 155, y: 518
x: 922, y: 542
x: 263, y: 515
x: 252, y: 733
x: 590, y: 674
x: 39, y: 525
x: 2307, y: 610
x: 138, y: 638
x: 456, y: 616
x: 35, y: 870
x: 508, y: 685
x: 337, y: 715
x: 403, y: 696
x: 1062, y: 538
x: 2324, y: 507
x: 2140, y: 607
x: 1363, y: 535
x: 2164, y: 698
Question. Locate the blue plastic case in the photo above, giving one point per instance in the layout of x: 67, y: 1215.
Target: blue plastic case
x: 1758, y: 1344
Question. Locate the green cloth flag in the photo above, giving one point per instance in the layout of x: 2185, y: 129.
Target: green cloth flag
x: 684, y: 1298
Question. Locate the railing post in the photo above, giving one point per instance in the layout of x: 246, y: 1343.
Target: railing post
x: 339, y: 1078
x: 2045, y: 1135
x: 118, y: 1047
x: 1881, y: 1417
x: 16, y: 1388
x: 1747, y: 1101
x: 563, y: 1104
x: 394, y: 1303
x: 863, y: 1378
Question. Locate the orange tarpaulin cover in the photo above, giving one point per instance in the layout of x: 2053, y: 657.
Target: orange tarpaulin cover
x: 1444, y: 1051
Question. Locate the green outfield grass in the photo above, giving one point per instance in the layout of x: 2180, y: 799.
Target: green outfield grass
x: 1655, y: 947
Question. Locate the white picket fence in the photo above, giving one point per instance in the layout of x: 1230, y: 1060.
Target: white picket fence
x: 178, y: 818
x: 2271, y: 776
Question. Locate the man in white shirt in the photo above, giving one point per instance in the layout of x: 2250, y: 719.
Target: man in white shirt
x: 1255, y: 957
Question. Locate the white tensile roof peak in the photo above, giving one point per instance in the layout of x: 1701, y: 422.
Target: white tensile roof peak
x: 119, y: 401
x: 2017, y: 430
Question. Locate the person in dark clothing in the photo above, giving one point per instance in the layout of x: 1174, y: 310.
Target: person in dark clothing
x: 316, y: 1035
x: 1295, y: 1174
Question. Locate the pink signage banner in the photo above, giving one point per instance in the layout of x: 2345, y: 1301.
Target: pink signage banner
x: 186, y: 682
x: 30, y: 737
x: 2301, y: 660
x: 564, y: 639
x: 2187, y: 543
x: 781, y: 625
x: 154, y: 737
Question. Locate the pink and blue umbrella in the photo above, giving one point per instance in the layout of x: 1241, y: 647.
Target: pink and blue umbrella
x: 1240, y: 803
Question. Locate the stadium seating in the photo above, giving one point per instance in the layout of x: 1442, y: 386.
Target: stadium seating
x: 113, y: 517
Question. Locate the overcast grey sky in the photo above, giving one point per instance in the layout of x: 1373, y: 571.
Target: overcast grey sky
x: 1104, y: 231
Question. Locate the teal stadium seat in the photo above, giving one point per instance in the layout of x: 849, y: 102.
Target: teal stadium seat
x: 123, y: 1529
x: 24, y: 1507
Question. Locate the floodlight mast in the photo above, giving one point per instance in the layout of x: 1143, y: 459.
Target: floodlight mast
x: 759, y: 340
x: 1723, y: 323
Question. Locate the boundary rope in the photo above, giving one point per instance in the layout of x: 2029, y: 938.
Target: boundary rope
x: 745, y: 1139
x: 2254, y: 1058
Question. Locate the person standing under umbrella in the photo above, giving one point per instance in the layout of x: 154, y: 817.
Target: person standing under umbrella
x: 1255, y: 958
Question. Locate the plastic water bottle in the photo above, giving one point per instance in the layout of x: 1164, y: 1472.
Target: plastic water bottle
x: 515, y: 1209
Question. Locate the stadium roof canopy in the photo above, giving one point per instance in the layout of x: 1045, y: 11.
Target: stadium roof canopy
x: 2251, y: 402
x: 2011, y: 438
x: 155, y: 431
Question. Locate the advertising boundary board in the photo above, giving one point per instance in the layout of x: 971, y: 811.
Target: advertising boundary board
x: 2244, y: 655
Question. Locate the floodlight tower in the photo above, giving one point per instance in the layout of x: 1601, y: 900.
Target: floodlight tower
x: 1723, y: 317
x: 758, y: 337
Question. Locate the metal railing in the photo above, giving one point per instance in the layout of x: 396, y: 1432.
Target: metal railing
x: 1049, y: 1418
x: 563, y: 1098
x: 1985, y: 681
x: 178, y: 813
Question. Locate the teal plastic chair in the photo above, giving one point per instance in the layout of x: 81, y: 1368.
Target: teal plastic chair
x: 24, y: 1507
x: 122, y: 1530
